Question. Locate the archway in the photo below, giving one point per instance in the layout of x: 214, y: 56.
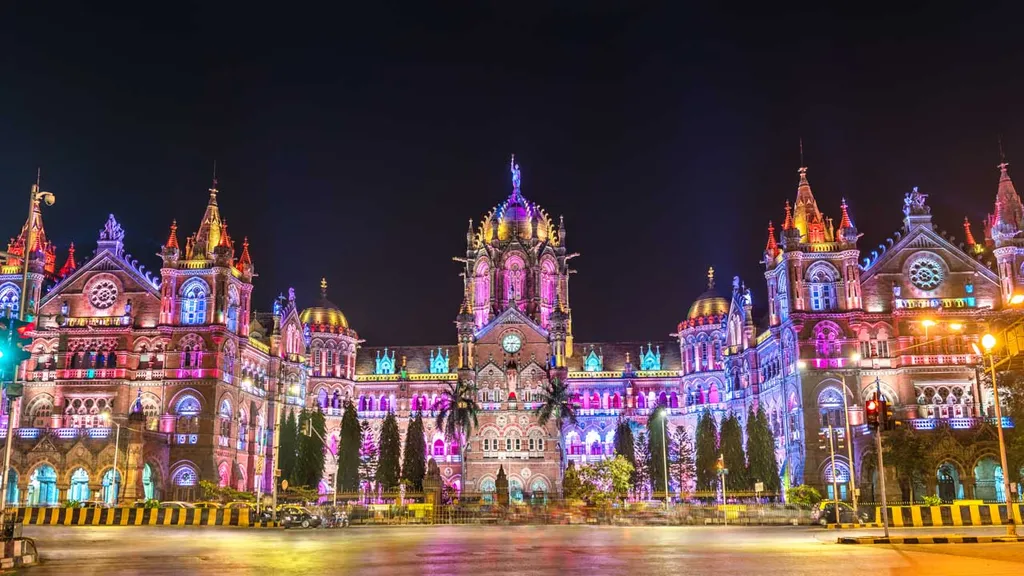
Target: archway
x: 147, y: 482
x: 111, y: 486
x: 487, y: 490
x: 515, y: 490
x: 42, y: 486
x: 184, y: 481
x: 988, y: 478
x: 539, y: 491
x: 79, y: 489
x: 949, y: 487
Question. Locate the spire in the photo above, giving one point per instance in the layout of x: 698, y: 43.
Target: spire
x: 172, y: 239
x: 244, y: 261
x: 208, y: 236
x: 323, y: 287
x: 711, y: 277
x: 772, y: 248
x: 967, y: 232
x: 845, y: 222
x: 805, y: 211
x: 225, y: 240
x: 788, y: 222
x: 1009, y: 212
x: 69, y: 264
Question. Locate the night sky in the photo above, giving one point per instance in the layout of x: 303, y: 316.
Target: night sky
x: 355, y: 145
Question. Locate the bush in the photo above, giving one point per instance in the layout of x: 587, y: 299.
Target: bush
x: 151, y: 503
x: 803, y: 496
x: 932, y: 501
x: 71, y: 504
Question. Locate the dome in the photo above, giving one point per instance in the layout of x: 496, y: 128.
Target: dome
x: 710, y: 303
x: 324, y: 312
x: 517, y: 218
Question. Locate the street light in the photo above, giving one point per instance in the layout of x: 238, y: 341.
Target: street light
x: 24, y: 303
x: 988, y: 341
x: 106, y: 417
x: 1017, y: 298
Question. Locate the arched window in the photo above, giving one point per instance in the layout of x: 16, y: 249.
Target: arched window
x: 820, y: 283
x: 188, y: 405
x: 193, y: 302
x: 232, y: 311
x: 514, y: 279
x: 438, y: 449
x: 548, y: 288
x: 827, y: 343
x: 9, y: 299
x: 782, y: 295
x: 482, y: 293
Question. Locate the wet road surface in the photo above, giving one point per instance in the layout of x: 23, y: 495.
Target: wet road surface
x: 532, y: 550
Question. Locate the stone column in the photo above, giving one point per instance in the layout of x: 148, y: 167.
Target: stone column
x: 131, y: 479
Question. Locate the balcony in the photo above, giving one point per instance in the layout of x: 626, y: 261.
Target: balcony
x: 956, y: 423
x: 61, y: 433
x: 939, y: 359
x: 91, y: 374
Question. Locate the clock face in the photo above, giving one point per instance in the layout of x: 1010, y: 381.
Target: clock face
x: 511, y: 343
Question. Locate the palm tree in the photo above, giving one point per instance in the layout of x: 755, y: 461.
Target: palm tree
x: 556, y: 404
x: 456, y: 416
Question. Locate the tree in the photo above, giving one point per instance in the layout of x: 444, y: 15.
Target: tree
x: 642, y: 470
x: 368, y: 454
x: 761, y: 463
x: 414, y: 459
x: 682, y: 465
x: 803, y: 496
x: 625, y: 445
x: 657, y: 431
x: 905, y: 451
x: 309, y: 464
x: 572, y: 488
x: 457, y: 413
x: 605, y: 479
x: 287, y: 447
x: 351, y: 442
x: 389, y: 469
x: 707, y: 452
x: 555, y: 405
x: 730, y: 446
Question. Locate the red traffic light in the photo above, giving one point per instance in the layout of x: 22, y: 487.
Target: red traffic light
x: 872, y: 405
x: 25, y: 328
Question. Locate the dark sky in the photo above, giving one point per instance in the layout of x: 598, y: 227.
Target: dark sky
x: 356, y: 144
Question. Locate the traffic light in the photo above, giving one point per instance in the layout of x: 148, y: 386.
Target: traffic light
x: 15, y: 347
x: 889, y: 417
x: 871, y: 411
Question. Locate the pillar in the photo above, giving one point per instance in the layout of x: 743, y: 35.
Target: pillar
x: 132, y: 488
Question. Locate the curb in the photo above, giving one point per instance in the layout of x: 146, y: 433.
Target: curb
x: 851, y: 525
x: 931, y: 540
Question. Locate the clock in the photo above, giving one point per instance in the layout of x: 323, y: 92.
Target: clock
x: 511, y: 343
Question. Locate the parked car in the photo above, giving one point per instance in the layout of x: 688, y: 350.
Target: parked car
x: 824, y: 513
x: 208, y: 505
x: 290, y: 516
x: 240, y: 506
x: 177, y: 505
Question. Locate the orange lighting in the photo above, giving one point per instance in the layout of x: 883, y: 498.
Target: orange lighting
x: 988, y: 341
x: 956, y: 326
x: 928, y: 323
x: 1017, y: 298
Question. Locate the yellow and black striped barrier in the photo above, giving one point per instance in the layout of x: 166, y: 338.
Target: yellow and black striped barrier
x: 140, y: 517
x: 950, y: 515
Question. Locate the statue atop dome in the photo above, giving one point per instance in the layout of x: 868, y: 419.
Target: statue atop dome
x: 516, y: 176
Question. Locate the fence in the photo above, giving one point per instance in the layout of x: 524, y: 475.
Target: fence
x: 138, y: 517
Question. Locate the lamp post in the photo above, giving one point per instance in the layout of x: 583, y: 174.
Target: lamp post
x: 849, y: 435
x: 988, y: 341
x: 663, y: 415
x: 117, y: 440
x: 24, y: 304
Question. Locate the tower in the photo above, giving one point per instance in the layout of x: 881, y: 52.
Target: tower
x: 1004, y: 228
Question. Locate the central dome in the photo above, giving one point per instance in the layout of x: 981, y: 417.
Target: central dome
x: 517, y: 218
x: 324, y: 312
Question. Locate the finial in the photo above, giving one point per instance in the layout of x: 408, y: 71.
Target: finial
x: 802, y: 165
x: 323, y: 287
x: 788, y: 222
x: 711, y: 277
x: 39, y: 176
x: 845, y: 222
x: 1003, y: 164
x: 172, y: 239
x: 967, y: 232
x: 214, y: 174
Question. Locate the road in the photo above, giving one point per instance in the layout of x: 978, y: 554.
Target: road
x: 523, y: 550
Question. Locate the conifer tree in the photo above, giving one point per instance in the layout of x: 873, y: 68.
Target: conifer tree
x: 707, y: 452
x: 762, y: 465
x: 730, y: 445
x: 657, y: 429
x: 287, y: 446
x: 642, y: 451
x: 389, y: 455
x: 351, y: 441
x: 414, y: 457
x: 625, y: 445
x: 682, y: 462
x: 309, y: 466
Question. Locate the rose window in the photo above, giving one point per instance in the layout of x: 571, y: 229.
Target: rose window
x: 926, y: 274
x: 103, y: 294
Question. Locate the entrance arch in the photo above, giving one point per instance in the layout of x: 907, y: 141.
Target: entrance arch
x: 42, y: 486
x: 988, y: 481
x: 949, y: 487
x: 79, y: 489
x: 148, y: 483
x: 111, y: 486
x: 12, y: 487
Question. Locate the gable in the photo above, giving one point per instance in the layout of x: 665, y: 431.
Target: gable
x: 512, y: 315
x: 107, y: 286
x: 925, y: 270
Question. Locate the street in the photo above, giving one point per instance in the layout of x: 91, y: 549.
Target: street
x: 507, y: 550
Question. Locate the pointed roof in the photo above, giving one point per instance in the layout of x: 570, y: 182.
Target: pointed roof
x: 788, y: 222
x: 772, y: 248
x: 225, y: 240
x: 967, y: 232
x: 845, y: 222
x: 172, y: 239
x: 805, y: 211
x: 209, y: 233
x: 69, y: 264
x: 244, y: 261
x: 16, y: 247
x: 1009, y: 216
